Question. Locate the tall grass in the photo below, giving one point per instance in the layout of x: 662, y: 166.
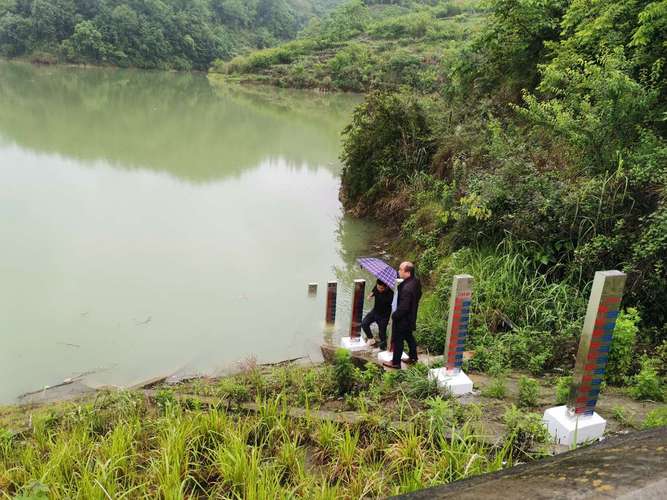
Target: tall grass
x: 122, y: 446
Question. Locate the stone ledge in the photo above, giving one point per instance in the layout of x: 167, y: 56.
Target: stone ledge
x: 630, y: 466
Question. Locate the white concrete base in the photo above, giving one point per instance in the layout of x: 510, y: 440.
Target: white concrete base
x: 354, y: 344
x: 458, y: 385
x: 570, y: 431
x: 387, y: 356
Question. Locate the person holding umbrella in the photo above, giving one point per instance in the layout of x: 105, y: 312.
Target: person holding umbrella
x: 380, y: 314
x: 404, y: 319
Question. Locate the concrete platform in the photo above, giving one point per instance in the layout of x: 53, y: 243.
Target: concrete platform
x: 354, y: 344
x: 458, y: 384
x: 570, y: 431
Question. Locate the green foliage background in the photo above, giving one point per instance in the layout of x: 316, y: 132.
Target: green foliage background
x: 541, y: 159
x: 163, y: 34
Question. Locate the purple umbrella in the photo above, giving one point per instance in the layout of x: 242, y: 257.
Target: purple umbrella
x: 380, y: 269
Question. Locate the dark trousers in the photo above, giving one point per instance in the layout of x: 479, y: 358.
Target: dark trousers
x: 398, y: 338
x: 382, y: 322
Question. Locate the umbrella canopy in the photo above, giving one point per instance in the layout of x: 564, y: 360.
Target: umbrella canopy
x: 380, y: 269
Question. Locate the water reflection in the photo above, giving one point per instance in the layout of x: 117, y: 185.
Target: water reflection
x: 154, y: 222
x: 172, y: 122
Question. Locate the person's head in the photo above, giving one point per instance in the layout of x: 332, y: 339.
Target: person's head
x: 406, y: 270
x: 381, y: 286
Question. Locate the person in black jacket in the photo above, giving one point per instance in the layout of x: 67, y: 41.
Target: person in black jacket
x: 405, y: 317
x: 384, y: 296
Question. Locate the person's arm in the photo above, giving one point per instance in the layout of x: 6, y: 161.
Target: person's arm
x: 373, y: 292
x: 404, y: 305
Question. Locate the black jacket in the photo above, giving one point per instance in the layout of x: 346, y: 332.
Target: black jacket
x: 383, y: 302
x: 409, y: 295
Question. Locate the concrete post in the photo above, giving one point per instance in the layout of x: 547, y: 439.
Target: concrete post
x: 355, y: 342
x: 332, y: 293
x: 357, y: 308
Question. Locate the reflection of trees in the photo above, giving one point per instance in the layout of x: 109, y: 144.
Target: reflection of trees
x: 171, y: 122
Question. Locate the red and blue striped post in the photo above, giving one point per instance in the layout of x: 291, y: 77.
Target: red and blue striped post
x: 457, y: 326
x: 595, y: 343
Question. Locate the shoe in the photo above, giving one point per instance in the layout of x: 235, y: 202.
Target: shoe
x: 371, y: 341
x: 410, y: 361
x: 392, y: 366
x: 383, y: 347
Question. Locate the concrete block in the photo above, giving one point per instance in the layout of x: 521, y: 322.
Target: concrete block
x: 354, y: 344
x: 573, y: 430
x: 458, y: 384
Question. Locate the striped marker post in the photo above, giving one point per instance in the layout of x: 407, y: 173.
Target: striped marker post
x: 357, y: 308
x: 577, y: 422
x: 457, y: 326
x: 332, y: 294
x: 595, y: 343
x: 451, y: 376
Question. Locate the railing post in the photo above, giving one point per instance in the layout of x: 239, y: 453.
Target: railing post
x: 357, y: 308
x: 332, y: 294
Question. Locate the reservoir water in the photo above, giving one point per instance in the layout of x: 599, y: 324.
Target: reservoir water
x: 158, y: 223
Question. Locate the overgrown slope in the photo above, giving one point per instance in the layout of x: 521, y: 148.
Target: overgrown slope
x: 540, y: 161
x: 364, y: 45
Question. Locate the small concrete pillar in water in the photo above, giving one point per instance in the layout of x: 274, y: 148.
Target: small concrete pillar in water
x: 577, y: 421
x: 332, y: 293
x: 312, y: 289
x: 388, y: 355
x: 451, y: 376
x: 355, y: 342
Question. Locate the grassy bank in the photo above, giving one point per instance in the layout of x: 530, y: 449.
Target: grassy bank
x: 356, y: 433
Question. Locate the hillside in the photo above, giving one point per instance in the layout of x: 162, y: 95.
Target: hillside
x: 523, y: 144
x: 363, y: 45
x: 157, y: 34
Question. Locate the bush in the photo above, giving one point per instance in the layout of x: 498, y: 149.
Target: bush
x: 234, y: 390
x: 622, y: 347
x: 656, y: 418
x: 417, y: 383
x: 563, y: 390
x: 388, y: 140
x: 497, y: 389
x: 647, y: 384
x: 344, y: 371
x: 529, y: 391
x: 525, y: 432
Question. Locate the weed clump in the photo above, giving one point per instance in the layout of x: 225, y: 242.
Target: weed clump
x: 529, y: 391
x: 647, y: 384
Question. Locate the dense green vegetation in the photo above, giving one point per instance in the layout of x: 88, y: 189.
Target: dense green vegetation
x: 521, y: 142
x: 363, y: 45
x: 539, y: 160
x: 165, y: 34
